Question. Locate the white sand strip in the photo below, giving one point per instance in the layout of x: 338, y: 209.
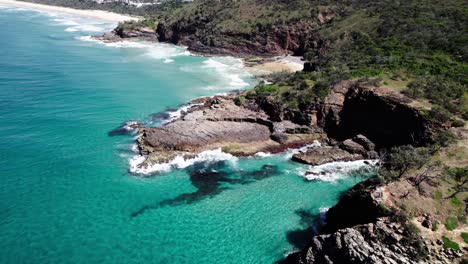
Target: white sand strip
x: 99, y: 14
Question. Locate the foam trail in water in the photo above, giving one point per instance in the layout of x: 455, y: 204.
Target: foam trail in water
x: 337, y: 170
x: 137, y: 165
x: 159, y: 51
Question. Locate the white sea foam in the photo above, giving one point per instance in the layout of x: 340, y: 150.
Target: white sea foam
x: 336, y: 170
x: 87, y: 38
x: 263, y: 154
x: 70, y: 29
x: 159, y: 51
x: 137, y: 165
x: 290, y: 152
x: 86, y: 28
x: 135, y: 148
x: 230, y: 69
x: 65, y: 22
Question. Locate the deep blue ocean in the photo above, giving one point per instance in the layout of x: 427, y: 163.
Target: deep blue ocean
x: 66, y: 194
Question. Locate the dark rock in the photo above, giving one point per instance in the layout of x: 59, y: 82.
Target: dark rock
x: 360, y: 205
x: 372, y: 155
x: 279, y: 137
x: 427, y: 222
x: 373, y: 243
x: 353, y: 108
x: 353, y: 147
x: 365, y: 142
x: 322, y: 155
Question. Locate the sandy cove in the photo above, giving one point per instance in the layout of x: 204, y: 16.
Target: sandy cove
x: 99, y: 14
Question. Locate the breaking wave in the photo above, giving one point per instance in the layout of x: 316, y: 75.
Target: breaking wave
x: 338, y: 170
x: 138, y: 166
x: 159, y: 51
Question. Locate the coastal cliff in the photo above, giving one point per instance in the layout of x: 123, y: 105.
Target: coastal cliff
x: 203, y: 31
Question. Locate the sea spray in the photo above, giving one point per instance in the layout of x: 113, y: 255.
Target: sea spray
x: 138, y: 163
x: 334, y: 171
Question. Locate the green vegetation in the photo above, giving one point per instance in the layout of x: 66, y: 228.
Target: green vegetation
x: 460, y: 176
x: 402, y: 159
x: 438, y: 195
x: 240, y: 17
x: 450, y: 244
x: 451, y: 223
x: 465, y: 237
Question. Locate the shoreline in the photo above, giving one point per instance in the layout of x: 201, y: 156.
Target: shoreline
x: 276, y: 64
x: 99, y: 14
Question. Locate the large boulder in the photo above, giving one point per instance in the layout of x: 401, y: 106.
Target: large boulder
x: 319, y: 156
x: 353, y: 147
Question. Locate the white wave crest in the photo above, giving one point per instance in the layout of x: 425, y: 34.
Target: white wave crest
x: 65, y: 22
x: 230, y: 69
x: 87, y: 38
x: 137, y: 165
x: 160, y: 51
x: 85, y: 28
x: 336, y: 170
x: 263, y: 154
x: 70, y: 29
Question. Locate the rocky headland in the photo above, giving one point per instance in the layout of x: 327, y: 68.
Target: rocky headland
x: 200, y: 38
x: 243, y: 128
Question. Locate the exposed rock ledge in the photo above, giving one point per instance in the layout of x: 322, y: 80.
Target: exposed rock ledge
x: 218, y: 122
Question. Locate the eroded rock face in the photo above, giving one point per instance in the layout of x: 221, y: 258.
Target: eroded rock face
x: 278, y: 40
x: 353, y: 108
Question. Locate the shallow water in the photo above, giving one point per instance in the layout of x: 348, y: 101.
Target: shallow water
x: 65, y: 192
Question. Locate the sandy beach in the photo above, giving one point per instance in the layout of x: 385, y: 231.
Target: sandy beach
x: 277, y: 64
x: 99, y: 14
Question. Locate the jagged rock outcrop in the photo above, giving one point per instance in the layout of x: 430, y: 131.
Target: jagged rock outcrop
x: 120, y: 32
x: 360, y: 205
x: 322, y: 155
x: 349, y: 150
x: 373, y: 243
x: 358, y: 230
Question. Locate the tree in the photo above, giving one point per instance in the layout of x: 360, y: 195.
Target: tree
x: 442, y: 139
x: 430, y: 175
x: 460, y: 176
x: 403, y: 158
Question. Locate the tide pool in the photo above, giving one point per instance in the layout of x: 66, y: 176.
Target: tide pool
x: 66, y: 195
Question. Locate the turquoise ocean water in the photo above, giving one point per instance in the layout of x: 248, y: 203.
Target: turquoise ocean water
x: 66, y: 195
